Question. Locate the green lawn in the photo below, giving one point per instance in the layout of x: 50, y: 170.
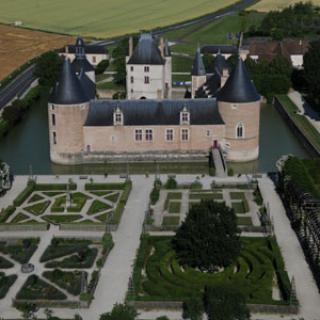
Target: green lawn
x: 104, y: 18
x: 182, y: 64
x: 244, y: 221
x: 213, y: 33
x: 301, y: 121
x: 170, y: 221
x: 206, y: 196
x: 164, y: 279
x: 239, y: 207
x: 174, y: 207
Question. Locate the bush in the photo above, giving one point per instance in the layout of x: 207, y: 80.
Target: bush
x: 6, y: 213
x: 102, y: 67
x: 171, y: 183
x: 25, y: 194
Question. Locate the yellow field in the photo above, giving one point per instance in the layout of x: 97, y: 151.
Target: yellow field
x: 17, y: 46
x: 268, y: 5
x: 104, y: 18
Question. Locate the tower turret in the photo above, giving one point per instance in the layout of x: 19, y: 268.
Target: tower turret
x: 81, y: 62
x: 67, y: 109
x: 239, y: 106
x: 198, y: 73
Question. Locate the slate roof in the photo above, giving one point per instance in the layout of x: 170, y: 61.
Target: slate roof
x: 89, y: 87
x: 146, y: 52
x: 153, y: 112
x: 222, y: 48
x: 68, y: 89
x: 210, y: 88
x: 198, y: 68
x: 239, y: 88
x: 82, y: 63
x: 90, y: 49
x: 220, y: 64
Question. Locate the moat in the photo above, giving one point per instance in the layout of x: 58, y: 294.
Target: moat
x: 26, y: 148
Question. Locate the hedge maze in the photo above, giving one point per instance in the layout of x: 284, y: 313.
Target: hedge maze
x: 158, y: 276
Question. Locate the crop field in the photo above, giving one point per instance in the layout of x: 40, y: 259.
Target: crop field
x: 104, y: 18
x: 268, y: 5
x: 17, y: 46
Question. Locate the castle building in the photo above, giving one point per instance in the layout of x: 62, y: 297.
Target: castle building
x: 86, y: 130
x: 149, y: 69
x: 94, y: 53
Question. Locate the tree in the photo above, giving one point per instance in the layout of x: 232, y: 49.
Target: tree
x: 102, y: 66
x: 208, y: 238
x: 311, y: 63
x: 120, y: 312
x: 47, y: 68
x: 224, y: 303
x: 193, y: 308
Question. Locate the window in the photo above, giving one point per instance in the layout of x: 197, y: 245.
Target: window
x: 208, y: 133
x: 54, y: 136
x: 146, y: 80
x: 234, y: 106
x: 184, y: 117
x: 149, y: 134
x: 94, y: 59
x: 240, y: 131
x: 185, y: 134
x: 131, y: 68
x: 169, y: 135
x: 117, y: 117
x: 88, y: 148
x: 53, y: 118
x: 131, y: 80
x: 52, y: 107
x: 146, y: 69
x: 138, y: 135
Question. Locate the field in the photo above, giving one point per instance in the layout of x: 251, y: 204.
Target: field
x: 268, y: 5
x: 104, y: 18
x: 216, y: 32
x: 19, y: 46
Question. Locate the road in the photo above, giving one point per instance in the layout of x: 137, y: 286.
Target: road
x: 17, y: 87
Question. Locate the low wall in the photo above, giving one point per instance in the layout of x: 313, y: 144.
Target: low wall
x: 24, y: 227
x: 54, y: 303
x: 298, y: 133
x: 254, y: 308
x: 82, y: 227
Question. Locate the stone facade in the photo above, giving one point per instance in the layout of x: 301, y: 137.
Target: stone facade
x: 245, y: 147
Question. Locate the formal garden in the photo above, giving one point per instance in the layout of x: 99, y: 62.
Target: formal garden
x: 258, y: 271
x: 169, y: 204
x: 71, y: 270
x: 207, y: 252
x: 97, y: 203
x: 14, y: 252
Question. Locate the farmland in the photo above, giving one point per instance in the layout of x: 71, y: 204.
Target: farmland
x: 99, y: 18
x: 268, y: 5
x: 20, y: 45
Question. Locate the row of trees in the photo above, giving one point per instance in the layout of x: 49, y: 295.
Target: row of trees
x: 297, y: 20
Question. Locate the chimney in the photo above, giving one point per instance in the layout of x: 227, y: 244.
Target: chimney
x: 161, y: 47
x: 130, y: 46
x: 67, y: 49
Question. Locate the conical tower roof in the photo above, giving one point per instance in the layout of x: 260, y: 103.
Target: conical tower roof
x: 68, y: 89
x: 198, y: 68
x: 239, y: 88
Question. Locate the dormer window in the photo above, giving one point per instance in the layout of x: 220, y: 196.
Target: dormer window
x: 185, y: 116
x: 118, y: 117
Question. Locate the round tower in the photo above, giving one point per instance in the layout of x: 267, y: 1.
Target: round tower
x: 198, y: 74
x: 239, y: 106
x: 67, y: 110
